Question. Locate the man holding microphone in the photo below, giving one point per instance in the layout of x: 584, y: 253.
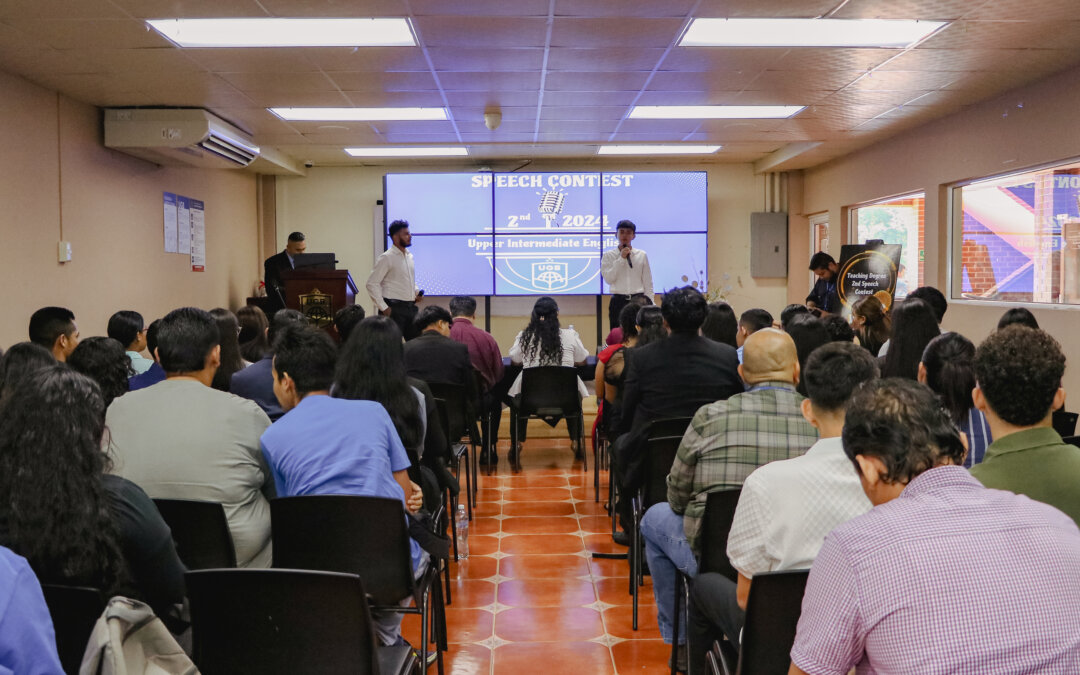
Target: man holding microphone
x: 626, y: 271
x: 392, y: 283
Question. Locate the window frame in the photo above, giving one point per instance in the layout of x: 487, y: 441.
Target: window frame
x: 853, y: 223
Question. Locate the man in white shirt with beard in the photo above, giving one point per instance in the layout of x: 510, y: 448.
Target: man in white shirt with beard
x: 392, y: 282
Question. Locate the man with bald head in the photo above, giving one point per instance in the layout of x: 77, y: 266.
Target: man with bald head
x: 726, y: 441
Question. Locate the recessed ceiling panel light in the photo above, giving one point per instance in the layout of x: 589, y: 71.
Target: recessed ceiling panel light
x: 713, y: 112
x: 806, y: 32
x: 357, y: 114
x: 657, y: 149
x: 456, y: 151
x: 286, y: 32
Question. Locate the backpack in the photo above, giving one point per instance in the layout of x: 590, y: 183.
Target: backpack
x: 129, y: 640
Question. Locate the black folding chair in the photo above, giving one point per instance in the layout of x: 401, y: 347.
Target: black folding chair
x: 1064, y: 422
x: 772, y: 615
x: 366, y: 536
x: 74, y: 611
x: 458, y: 423
x: 200, y: 531
x: 548, y: 393
x: 661, y: 456
x: 1072, y: 440
x: 282, y: 622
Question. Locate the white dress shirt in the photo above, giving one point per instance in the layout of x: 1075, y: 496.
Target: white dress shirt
x: 573, y: 351
x: 786, y: 508
x: 393, y: 278
x: 623, y: 279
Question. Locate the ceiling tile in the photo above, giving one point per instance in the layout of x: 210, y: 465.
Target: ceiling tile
x: 615, y: 59
x: 366, y: 59
x: 412, y: 139
x: 605, y: 112
x: 255, y: 120
x: 246, y: 60
x: 297, y: 99
x: 490, y: 81
x: 1005, y: 35
x: 623, y: 8
x: 154, y: 60
x: 600, y: 129
x: 631, y: 126
x: 509, y: 114
x: 91, y: 34
x: 475, y: 125
x: 480, y: 8
x: 721, y: 80
x: 833, y: 59
x: 389, y: 82
x: 579, y: 98
x: 195, y: 9
x: 280, y: 82
x: 688, y: 98
x: 595, y: 82
x: 481, y: 99
x: 906, y: 80
x: 394, y: 99
x: 730, y: 9
x: 980, y: 59
x: 334, y: 8
x: 929, y: 10
x: 60, y: 9
x: 29, y: 62
x: 1024, y: 10
x: 800, y: 79
x: 711, y: 59
x: 595, y: 33
x: 480, y: 31
x: 486, y: 59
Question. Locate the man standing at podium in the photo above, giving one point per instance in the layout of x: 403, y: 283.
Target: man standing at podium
x: 278, y: 263
x: 626, y: 271
x: 392, y: 283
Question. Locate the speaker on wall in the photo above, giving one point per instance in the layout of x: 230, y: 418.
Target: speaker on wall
x: 768, y: 245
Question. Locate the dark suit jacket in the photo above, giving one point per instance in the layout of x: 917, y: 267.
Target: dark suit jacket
x: 272, y: 269
x: 256, y: 383
x: 432, y: 357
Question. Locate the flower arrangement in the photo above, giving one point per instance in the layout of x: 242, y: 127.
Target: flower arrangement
x: 711, y: 294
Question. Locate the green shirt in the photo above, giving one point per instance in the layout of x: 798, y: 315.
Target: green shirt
x: 1034, y: 462
x: 727, y: 440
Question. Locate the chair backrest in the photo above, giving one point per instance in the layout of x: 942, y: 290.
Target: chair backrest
x: 283, y: 622
x: 549, y: 388
x: 669, y: 426
x: 772, y: 614
x: 74, y: 611
x: 1064, y: 422
x: 661, y: 457
x: 715, y: 527
x: 1072, y: 440
x: 366, y: 536
x: 200, y: 531
x: 455, y: 417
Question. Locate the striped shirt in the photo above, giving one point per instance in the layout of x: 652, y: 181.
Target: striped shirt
x: 727, y: 440
x: 949, y: 577
x: 979, y: 437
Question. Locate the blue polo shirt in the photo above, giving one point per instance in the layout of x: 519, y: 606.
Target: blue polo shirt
x: 27, y: 641
x: 336, y: 446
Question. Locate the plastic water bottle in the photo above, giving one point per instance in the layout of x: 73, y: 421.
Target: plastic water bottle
x: 572, y: 328
x: 461, y: 519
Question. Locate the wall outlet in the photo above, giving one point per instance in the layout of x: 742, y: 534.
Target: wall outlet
x: 64, y: 251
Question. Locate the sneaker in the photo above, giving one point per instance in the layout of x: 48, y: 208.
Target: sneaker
x: 489, y: 458
x: 621, y: 538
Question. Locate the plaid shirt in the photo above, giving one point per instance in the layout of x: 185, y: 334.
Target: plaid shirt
x: 727, y: 440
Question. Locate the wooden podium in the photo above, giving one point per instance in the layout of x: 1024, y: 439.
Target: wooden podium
x: 319, y: 294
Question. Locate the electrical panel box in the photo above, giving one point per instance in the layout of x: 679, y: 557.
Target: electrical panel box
x: 768, y: 245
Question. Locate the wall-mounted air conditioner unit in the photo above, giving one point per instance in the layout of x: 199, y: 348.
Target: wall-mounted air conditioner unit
x: 178, y: 136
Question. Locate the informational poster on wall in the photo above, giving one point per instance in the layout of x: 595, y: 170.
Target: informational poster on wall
x: 169, y: 201
x: 183, y: 225
x: 868, y: 269
x: 198, y: 236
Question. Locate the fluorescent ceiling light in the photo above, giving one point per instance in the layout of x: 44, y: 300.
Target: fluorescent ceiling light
x: 357, y: 114
x: 657, y: 149
x: 456, y: 151
x: 806, y: 32
x: 713, y: 112
x: 286, y: 32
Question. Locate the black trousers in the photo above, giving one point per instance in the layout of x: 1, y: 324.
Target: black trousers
x: 403, y: 313
x: 615, y: 308
x: 714, y: 611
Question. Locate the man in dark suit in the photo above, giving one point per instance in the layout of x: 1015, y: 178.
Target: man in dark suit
x: 278, y: 263
x: 256, y: 382
x: 435, y: 357
x: 669, y: 378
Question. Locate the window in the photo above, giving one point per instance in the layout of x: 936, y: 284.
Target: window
x: 1016, y: 238
x: 899, y: 220
x: 819, y: 236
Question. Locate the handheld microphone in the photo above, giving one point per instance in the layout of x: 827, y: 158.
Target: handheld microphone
x: 628, y: 260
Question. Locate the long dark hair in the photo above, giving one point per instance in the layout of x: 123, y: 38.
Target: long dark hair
x: 105, y: 361
x: 371, y: 367
x: 721, y: 324
x: 21, y: 360
x: 650, y: 323
x: 913, y: 327
x: 254, y: 345
x: 231, y: 361
x: 949, y: 360
x: 877, y: 327
x: 541, y: 339
x: 55, y: 508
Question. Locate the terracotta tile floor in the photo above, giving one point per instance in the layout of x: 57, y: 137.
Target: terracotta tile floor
x: 529, y: 598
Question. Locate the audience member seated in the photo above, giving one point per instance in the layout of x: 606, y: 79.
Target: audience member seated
x: 127, y: 328
x: 182, y: 439
x: 74, y: 524
x: 787, y: 507
x: 104, y: 361
x: 19, y: 361
x: 231, y: 360
x: 650, y: 325
x: 346, y: 318
x: 486, y: 359
x: 611, y: 371
x: 725, y: 442
x: 334, y: 446
x: 54, y: 329
x: 1020, y: 315
x: 913, y: 327
x: 433, y: 356
x: 673, y: 377
x: 931, y: 296
x: 948, y: 368
x: 751, y: 321
x: 615, y: 335
x: 942, y: 575
x: 808, y: 332
x: 371, y: 367
x: 254, y: 343
x: 838, y: 327
x: 871, y: 323
x: 154, y: 373
x: 720, y: 324
x: 1018, y: 372
x: 790, y: 312
x: 27, y: 639
x: 256, y: 382
x: 544, y: 343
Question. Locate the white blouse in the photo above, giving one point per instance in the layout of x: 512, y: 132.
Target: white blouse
x: 573, y: 351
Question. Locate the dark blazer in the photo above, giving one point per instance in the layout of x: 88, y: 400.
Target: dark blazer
x: 256, y: 383
x: 272, y: 269
x: 676, y: 376
x: 432, y: 357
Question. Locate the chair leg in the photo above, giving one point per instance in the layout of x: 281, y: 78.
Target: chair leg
x: 675, y: 616
x: 452, y: 501
x: 424, y: 635
x: 596, y: 470
x: 469, y: 496
x: 635, y: 568
x: 446, y: 573
x: 476, y: 469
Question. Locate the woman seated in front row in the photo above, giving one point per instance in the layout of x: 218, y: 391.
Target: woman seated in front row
x: 544, y: 343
